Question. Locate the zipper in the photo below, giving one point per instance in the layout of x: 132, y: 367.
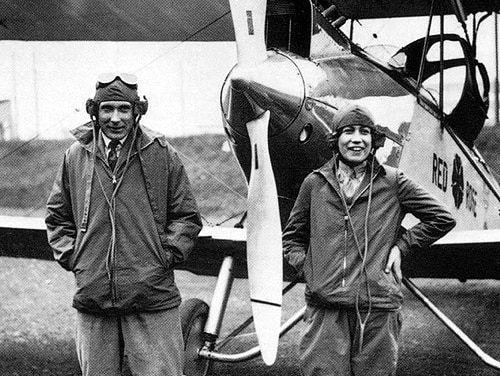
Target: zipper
x: 114, y: 282
x: 346, y: 227
x: 111, y: 269
x: 111, y: 257
x: 344, y: 264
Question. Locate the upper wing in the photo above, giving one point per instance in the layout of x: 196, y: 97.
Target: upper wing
x: 124, y: 20
x: 168, y: 20
x: 362, y: 9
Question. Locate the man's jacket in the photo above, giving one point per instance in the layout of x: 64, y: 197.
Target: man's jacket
x: 122, y: 233
x: 319, y: 238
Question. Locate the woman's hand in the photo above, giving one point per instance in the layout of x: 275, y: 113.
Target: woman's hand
x: 394, y: 263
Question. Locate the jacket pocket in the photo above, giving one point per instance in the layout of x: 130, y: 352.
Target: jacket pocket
x: 72, y: 260
x: 164, y: 254
x: 387, y: 282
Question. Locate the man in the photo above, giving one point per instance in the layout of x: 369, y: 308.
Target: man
x: 344, y: 235
x: 121, y: 216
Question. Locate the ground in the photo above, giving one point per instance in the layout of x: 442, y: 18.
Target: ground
x: 37, y: 323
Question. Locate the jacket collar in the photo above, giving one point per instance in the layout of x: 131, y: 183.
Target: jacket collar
x: 145, y: 136
x: 328, y: 172
x: 85, y: 136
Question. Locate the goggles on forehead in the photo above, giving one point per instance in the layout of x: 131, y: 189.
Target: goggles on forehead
x: 105, y: 79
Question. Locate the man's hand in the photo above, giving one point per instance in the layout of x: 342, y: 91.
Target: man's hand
x: 394, y: 263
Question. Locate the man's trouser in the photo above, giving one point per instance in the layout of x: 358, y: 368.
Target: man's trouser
x: 330, y: 344
x: 152, y: 342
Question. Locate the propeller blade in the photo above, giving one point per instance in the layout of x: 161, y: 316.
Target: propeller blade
x: 264, y: 249
x: 249, y: 19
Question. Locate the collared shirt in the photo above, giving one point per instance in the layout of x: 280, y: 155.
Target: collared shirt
x: 119, y: 147
x: 350, y: 178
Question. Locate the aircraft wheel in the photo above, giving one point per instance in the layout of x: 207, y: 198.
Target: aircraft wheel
x: 194, y: 313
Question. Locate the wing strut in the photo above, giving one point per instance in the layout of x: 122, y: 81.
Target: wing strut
x: 487, y: 359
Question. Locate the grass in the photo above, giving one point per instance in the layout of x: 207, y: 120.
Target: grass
x: 37, y: 321
x: 37, y: 324
x: 28, y: 169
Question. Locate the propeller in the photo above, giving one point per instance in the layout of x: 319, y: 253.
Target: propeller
x: 264, y: 249
x: 249, y: 18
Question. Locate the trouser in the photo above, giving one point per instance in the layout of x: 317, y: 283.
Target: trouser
x: 152, y: 342
x: 330, y: 345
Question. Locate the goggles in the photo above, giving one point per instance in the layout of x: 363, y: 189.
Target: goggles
x: 105, y: 79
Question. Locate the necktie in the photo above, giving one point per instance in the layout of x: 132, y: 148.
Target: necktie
x: 350, y: 179
x: 113, y: 156
x: 349, y: 185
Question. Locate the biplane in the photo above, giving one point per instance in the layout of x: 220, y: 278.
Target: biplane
x: 296, y: 67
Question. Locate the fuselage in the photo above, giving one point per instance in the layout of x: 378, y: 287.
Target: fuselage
x: 303, y: 96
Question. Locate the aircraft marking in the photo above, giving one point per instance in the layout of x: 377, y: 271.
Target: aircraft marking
x: 470, y: 198
x: 265, y: 302
x: 439, y: 172
x: 457, y: 181
x: 250, y: 22
x: 440, y: 180
x: 256, y: 167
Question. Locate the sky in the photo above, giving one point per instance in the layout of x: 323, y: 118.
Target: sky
x: 48, y: 83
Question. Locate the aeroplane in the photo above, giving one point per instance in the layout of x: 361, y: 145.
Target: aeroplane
x: 296, y: 68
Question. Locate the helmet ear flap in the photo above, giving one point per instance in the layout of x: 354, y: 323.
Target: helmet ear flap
x: 378, y: 140
x: 332, y: 140
x: 141, y: 107
x: 91, y: 107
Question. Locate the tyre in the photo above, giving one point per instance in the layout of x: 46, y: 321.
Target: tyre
x: 194, y: 313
